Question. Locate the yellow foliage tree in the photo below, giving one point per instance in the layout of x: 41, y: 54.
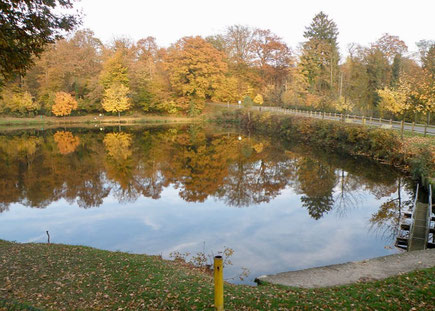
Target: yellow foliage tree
x: 228, y: 90
x: 420, y: 91
x: 195, y: 69
x: 64, y: 104
x: 114, y: 71
x: 394, y: 101
x: 259, y: 99
x: 343, y: 105
x: 115, y: 99
x: 66, y: 141
x: 16, y: 101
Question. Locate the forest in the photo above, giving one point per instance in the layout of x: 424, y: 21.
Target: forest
x: 79, y: 75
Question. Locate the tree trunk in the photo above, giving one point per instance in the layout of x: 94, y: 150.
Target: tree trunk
x: 427, y: 122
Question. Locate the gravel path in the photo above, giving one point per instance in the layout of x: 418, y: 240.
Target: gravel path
x: 352, y: 272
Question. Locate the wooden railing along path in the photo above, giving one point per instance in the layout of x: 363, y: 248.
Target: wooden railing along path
x: 348, y: 118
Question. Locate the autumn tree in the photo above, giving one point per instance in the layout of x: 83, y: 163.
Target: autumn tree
x: 142, y: 72
x: 17, y: 101
x: 354, y: 80
x: 259, y: 99
x: 64, y: 104
x: 427, y: 55
x: 70, y: 65
x: 116, y: 99
x: 394, y: 101
x: 419, y: 90
x: 390, y: 46
x: 229, y: 90
x: 297, y: 86
x: 238, y: 40
x: 273, y: 58
x: 195, y: 70
x: 114, y: 70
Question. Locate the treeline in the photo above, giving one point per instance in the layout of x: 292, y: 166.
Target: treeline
x: 81, y: 75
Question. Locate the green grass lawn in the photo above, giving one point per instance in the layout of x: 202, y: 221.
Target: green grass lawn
x: 62, y: 277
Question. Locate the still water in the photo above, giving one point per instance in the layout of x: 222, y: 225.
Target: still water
x: 278, y: 205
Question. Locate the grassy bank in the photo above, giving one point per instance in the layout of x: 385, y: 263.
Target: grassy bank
x: 96, y: 119
x: 414, y: 154
x: 61, y: 277
x: 131, y: 118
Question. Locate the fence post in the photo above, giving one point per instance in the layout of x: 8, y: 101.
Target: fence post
x: 364, y: 121
x: 402, y: 127
x: 218, y: 283
x: 413, y: 124
x: 391, y: 121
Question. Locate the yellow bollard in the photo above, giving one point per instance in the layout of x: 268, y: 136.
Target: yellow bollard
x: 218, y: 283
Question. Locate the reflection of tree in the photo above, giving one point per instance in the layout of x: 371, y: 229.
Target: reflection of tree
x: 66, y: 141
x: 118, y: 146
x: 119, y: 164
x: 353, y: 176
x: 257, y: 174
x: 316, y: 181
x: 346, y: 195
x: 199, y: 164
x: 4, y: 207
x: 317, y: 206
x: 387, y: 219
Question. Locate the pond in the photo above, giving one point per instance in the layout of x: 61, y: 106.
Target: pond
x: 170, y: 190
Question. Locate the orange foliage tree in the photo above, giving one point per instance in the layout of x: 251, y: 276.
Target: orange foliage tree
x: 64, y: 104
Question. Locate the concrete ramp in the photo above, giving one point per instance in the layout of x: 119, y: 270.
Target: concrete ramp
x: 352, y: 272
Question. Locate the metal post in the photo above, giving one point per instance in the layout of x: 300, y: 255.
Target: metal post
x: 218, y: 283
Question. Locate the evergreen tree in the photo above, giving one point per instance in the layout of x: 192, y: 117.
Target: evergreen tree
x: 320, y: 56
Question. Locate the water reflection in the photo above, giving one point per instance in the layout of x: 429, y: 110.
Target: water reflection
x: 279, y: 205
x: 38, y: 168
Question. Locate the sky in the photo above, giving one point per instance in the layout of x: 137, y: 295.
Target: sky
x: 362, y: 21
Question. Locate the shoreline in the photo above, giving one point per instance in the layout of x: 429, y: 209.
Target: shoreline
x: 373, y: 269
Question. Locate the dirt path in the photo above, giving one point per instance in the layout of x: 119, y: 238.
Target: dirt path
x: 352, y: 272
